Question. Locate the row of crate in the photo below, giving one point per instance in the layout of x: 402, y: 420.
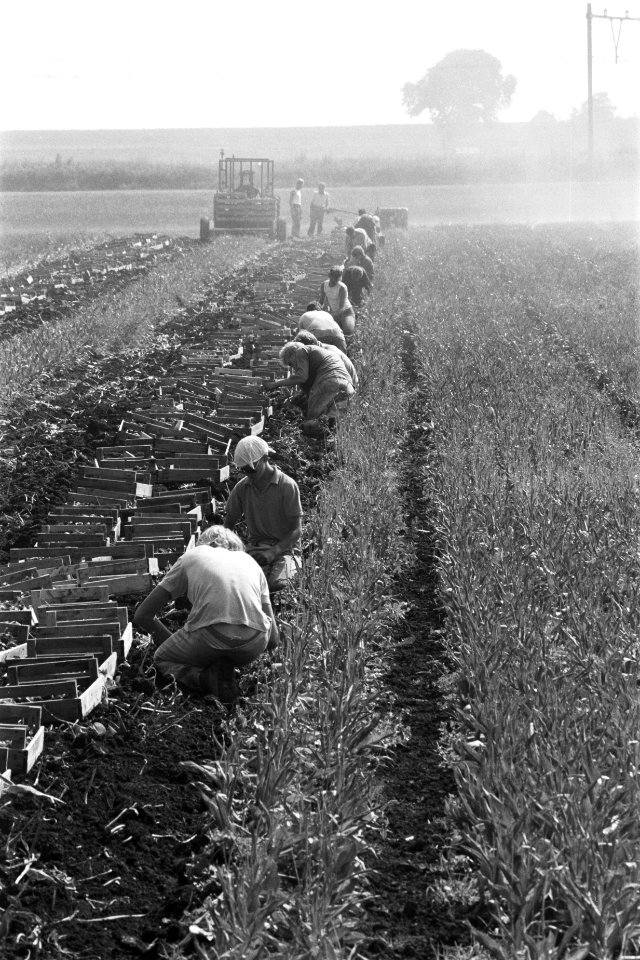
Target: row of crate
x: 121, y: 525
x: 131, y: 514
x: 57, y: 278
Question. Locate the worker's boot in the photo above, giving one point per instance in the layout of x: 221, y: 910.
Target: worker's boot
x: 228, y: 687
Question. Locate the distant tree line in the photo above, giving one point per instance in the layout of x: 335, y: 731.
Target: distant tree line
x: 68, y: 175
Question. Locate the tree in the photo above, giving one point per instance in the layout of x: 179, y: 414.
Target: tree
x: 543, y: 118
x: 603, y: 110
x: 466, y: 86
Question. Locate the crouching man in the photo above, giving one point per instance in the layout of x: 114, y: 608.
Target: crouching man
x: 231, y: 621
x: 269, y: 502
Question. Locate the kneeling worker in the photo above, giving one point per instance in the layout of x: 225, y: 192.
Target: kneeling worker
x: 269, y: 502
x: 230, y: 623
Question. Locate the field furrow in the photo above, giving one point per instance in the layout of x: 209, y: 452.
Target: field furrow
x: 535, y: 483
x: 448, y: 734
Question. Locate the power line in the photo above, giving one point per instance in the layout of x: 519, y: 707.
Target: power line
x: 612, y: 18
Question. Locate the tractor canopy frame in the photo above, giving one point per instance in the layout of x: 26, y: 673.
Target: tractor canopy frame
x: 236, y: 173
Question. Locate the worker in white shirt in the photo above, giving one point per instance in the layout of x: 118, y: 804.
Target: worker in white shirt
x: 295, y: 206
x: 318, y: 208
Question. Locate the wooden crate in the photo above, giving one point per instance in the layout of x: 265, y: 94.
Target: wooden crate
x: 57, y: 614
x: 128, y: 583
x: 20, y: 747
x: 100, y: 646
x: 65, y: 701
x: 74, y: 594
x: 37, y: 670
x: 139, y: 529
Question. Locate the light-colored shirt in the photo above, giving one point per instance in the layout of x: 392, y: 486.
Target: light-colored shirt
x: 346, y: 362
x: 223, y: 586
x: 269, y: 514
x: 360, y: 238
x: 321, y: 324
x: 295, y: 198
x: 320, y: 200
x: 318, y: 321
x: 333, y: 296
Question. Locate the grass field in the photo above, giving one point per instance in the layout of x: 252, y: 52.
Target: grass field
x: 479, y: 343
x: 179, y: 212
x: 533, y: 481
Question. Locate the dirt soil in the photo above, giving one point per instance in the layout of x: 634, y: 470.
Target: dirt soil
x: 105, y: 873
x: 416, y: 914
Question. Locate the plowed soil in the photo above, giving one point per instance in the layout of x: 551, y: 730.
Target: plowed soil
x: 105, y: 873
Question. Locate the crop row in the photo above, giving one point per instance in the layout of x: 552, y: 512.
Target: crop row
x: 533, y: 482
x: 289, y: 799
x: 55, y: 287
x: 582, y: 281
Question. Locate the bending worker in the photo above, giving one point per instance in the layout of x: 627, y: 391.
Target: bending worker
x: 322, y: 374
x: 321, y: 324
x: 308, y: 338
x: 334, y: 297
x: 269, y: 502
x: 230, y: 623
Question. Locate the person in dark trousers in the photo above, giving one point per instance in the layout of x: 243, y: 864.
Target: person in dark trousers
x: 322, y: 325
x: 357, y: 283
x: 323, y: 375
x: 308, y: 338
x: 295, y: 206
x: 334, y: 297
x: 367, y: 223
x: 359, y: 258
x: 269, y: 502
x: 317, y: 209
x: 230, y: 623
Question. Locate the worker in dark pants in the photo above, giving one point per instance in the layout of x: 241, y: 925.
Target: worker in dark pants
x: 269, y: 502
x: 295, y: 206
x: 230, y: 623
x: 317, y: 209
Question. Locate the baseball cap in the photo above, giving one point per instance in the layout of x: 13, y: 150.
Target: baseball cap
x: 249, y: 450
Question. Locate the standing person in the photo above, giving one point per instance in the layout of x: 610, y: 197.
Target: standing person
x: 334, y: 297
x: 230, y: 623
x: 324, y: 327
x: 322, y: 373
x: 295, y: 206
x: 269, y: 502
x: 318, y: 208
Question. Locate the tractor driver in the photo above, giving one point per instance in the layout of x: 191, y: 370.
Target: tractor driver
x: 247, y: 188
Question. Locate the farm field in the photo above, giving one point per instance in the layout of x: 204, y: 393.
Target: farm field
x: 178, y: 212
x: 450, y: 732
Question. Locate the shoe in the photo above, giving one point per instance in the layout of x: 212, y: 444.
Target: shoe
x: 220, y: 681
x: 210, y: 682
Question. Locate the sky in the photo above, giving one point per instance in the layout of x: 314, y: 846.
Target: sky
x: 131, y: 64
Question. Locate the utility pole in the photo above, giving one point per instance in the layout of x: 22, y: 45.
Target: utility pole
x: 616, y: 40
x: 590, y: 82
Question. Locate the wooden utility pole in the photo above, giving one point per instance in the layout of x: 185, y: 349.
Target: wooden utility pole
x: 616, y: 40
x: 590, y: 81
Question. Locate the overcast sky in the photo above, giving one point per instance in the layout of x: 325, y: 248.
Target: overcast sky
x: 92, y: 64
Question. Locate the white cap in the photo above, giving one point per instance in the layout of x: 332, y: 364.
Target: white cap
x: 249, y: 450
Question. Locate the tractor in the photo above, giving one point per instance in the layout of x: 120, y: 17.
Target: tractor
x: 244, y: 201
